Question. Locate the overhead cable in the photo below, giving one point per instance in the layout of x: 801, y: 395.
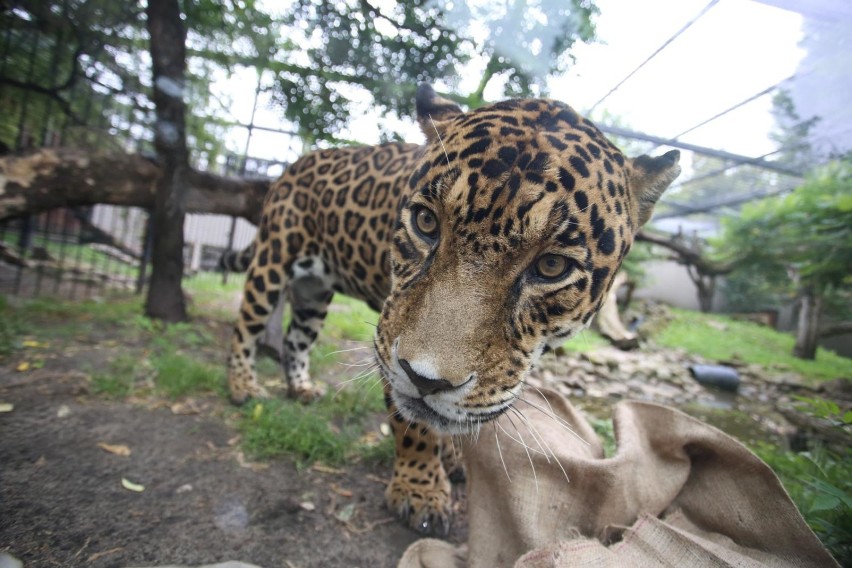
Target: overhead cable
x: 659, y: 49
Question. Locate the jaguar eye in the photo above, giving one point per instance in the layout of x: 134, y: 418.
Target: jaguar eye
x: 551, y: 266
x: 425, y: 222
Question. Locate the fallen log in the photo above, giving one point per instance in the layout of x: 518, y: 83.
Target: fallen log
x: 67, y: 177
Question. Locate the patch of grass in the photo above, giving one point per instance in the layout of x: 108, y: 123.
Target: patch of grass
x: 178, y: 374
x: 587, y: 340
x: 112, y: 310
x: 381, y: 453
x: 350, y: 319
x: 748, y: 342
x: 118, y: 381
x: 328, y: 430
x: 11, y: 328
x: 275, y: 427
x: 81, y: 256
x: 211, y: 298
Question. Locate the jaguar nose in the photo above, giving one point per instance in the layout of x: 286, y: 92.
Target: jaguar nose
x: 425, y: 386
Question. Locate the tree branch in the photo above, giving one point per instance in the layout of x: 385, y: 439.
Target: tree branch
x: 66, y: 177
x: 686, y: 255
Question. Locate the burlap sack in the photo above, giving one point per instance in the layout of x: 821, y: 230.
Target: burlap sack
x: 690, y: 495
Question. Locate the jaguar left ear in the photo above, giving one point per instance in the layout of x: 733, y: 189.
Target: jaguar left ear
x: 650, y: 177
x: 434, y: 111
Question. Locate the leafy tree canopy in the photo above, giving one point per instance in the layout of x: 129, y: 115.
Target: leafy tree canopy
x: 89, y: 60
x: 801, y: 239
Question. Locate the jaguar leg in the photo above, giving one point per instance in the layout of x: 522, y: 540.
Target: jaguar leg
x: 263, y: 288
x: 419, y: 491
x: 309, y: 300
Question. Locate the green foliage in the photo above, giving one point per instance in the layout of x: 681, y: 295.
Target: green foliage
x: 748, y: 342
x: 603, y: 427
x: 819, y: 483
x: 330, y: 60
x: 808, y: 232
x: 820, y: 480
x: 363, y: 51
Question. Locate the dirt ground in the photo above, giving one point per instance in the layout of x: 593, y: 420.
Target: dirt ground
x: 62, y: 502
x: 67, y: 494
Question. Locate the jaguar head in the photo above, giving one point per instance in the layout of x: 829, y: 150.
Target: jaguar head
x: 517, y: 217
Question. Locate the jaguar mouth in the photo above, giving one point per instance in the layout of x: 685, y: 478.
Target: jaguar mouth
x: 416, y: 409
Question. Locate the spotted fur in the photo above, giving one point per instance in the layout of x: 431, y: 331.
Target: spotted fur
x: 498, y: 237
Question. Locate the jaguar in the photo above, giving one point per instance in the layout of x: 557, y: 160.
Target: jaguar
x: 494, y: 240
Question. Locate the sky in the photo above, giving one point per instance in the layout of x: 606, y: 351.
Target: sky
x: 735, y: 50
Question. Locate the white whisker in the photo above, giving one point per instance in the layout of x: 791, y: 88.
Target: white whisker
x: 531, y: 427
x: 500, y: 452
x: 526, y: 449
x: 556, y: 418
x: 438, y: 134
x: 526, y: 423
x: 348, y: 350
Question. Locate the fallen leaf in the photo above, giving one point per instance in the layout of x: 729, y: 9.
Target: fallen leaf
x: 322, y: 468
x: 376, y: 478
x: 6, y: 407
x: 32, y: 343
x: 235, y: 440
x: 24, y: 366
x: 307, y: 506
x: 97, y: 555
x: 254, y: 466
x: 385, y: 429
x: 63, y: 411
x: 273, y: 383
x: 40, y: 462
x: 340, y: 491
x: 184, y: 408
x: 185, y: 488
x: 130, y: 486
x: 117, y: 449
x: 258, y: 410
x: 345, y: 514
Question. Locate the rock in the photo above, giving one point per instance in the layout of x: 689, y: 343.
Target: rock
x: 837, y: 389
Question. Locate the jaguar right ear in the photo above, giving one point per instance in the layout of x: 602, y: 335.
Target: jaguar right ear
x: 433, y: 111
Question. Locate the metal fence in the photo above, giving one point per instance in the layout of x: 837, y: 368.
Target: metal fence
x: 81, y: 252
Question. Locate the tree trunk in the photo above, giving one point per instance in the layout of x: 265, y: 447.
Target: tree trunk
x: 168, y: 57
x: 706, y: 291
x: 807, y: 333
x: 68, y: 177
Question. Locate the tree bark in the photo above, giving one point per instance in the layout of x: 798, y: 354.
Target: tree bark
x: 807, y: 333
x: 168, y: 57
x: 67, y: 177
x: 832, y: 329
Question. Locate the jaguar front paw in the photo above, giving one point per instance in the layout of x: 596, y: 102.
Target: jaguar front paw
x: 241, y: 391
x: 421, y: 501
x: 306, y: 392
